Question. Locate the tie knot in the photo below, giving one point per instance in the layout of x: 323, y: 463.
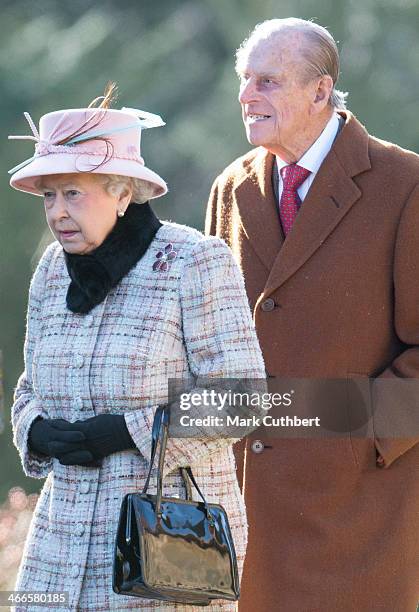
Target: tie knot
x: 293, y: 176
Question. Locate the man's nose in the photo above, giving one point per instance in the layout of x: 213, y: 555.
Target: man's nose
x: 247, y: 92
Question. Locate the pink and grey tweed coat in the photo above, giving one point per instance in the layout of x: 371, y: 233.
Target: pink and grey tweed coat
x: 190, y: 317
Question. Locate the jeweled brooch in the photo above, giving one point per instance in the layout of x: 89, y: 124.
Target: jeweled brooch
x: 163, y: 258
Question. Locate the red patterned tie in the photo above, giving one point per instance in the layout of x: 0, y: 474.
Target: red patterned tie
x: 292, y: 177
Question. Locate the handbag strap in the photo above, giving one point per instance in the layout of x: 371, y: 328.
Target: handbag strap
x: 186, y: 482
x: 154, y: 442
x: 160, y: 431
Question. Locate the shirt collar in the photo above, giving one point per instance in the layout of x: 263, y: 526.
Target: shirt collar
x: 314, y: 156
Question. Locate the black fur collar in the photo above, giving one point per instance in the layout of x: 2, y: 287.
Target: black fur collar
x: 93, y: 275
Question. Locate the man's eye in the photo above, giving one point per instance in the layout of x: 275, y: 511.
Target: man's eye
x: 73, y: 193
x: 48, y: 195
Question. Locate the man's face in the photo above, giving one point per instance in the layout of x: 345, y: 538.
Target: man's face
x: 276, y: 106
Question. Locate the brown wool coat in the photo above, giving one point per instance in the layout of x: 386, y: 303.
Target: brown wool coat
x: 329, y: 529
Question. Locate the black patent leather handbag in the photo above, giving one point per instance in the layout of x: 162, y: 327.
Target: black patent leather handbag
x: 172, y: 549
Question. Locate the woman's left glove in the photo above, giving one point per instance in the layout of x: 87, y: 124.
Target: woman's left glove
x: 104, y: 434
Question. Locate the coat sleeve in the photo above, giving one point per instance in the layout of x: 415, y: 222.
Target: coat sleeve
x: 395, y: 392
x: 26, y: 405
x: 220, y: 340
x: 218, y: 219
x: 211, y: 214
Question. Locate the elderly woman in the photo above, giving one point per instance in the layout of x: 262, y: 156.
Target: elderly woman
x: 120, y: 303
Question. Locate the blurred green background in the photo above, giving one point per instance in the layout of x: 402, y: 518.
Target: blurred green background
x: 174, y: 58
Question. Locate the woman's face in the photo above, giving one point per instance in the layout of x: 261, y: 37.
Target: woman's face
x: 79, y: 211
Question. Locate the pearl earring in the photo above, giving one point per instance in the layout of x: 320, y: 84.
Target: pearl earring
x: 121, y: 213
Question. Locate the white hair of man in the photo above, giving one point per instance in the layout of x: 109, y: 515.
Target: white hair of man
x: 320, y: 55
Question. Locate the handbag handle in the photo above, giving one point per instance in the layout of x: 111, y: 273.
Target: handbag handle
x: 154, y: 442
x: 160, y: 431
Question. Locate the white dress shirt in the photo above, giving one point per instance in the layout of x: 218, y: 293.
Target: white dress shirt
x: 313, y: 157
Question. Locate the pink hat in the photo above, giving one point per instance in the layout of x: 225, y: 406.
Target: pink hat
x: 98, y: 140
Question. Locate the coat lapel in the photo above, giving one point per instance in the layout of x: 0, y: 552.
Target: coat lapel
x: 331, y: 196
x: 258, y: 209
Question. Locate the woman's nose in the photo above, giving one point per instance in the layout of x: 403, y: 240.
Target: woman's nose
x: 59, y: 207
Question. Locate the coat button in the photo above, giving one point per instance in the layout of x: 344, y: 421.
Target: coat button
x: 79, y: 361
x: 75, y: 571
x: 268, y: 305
x: 79, y: 529
x: 85, y: 487
x: 79, y: 403
x: 257, y: 446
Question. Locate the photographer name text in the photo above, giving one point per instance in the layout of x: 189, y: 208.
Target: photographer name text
x: 254, y: 421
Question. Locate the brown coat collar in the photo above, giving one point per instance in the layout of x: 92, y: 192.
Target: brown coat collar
x: 331, y: 195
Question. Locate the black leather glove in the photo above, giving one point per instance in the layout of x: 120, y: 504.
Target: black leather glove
x: 104, y: 434
x: 47, y: 437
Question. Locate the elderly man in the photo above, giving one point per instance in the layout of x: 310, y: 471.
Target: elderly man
x: 324, y: 221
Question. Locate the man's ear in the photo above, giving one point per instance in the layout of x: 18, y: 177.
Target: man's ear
x: 322, y: 92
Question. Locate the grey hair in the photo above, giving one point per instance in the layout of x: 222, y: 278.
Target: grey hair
x: 114, y: 184
x: 320, y: 54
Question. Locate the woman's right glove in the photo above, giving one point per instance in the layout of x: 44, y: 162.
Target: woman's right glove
x: 45, y: 433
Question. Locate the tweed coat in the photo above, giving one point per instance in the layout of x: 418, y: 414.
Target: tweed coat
x: 338, y: 298
x: 193, y: 318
